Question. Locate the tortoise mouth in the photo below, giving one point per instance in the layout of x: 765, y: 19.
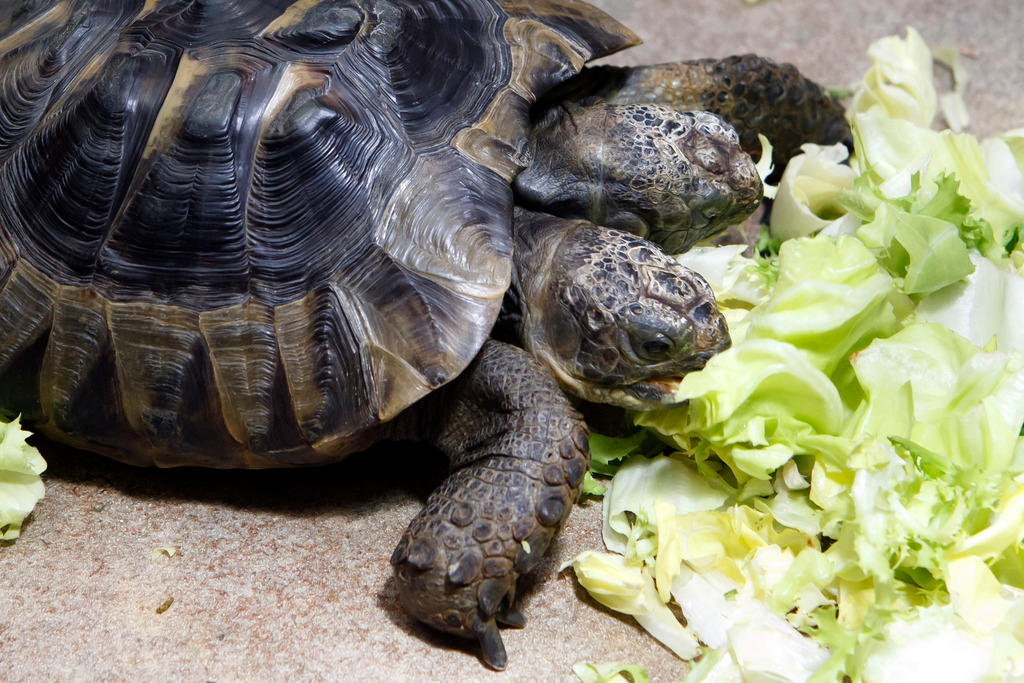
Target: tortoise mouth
x: 655, y: 392
x: 645, y: 394
x: 659, y: 391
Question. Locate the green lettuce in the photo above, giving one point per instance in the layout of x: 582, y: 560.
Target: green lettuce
x: 606, y: 456
x: 918, y: 489
x: 776, y: 392
x: 898, y: 160
x: 627, y: 586
x: 899, y: 84
x: 610, y: 672
x: 21, y: 487
x: 808, y: 197
x: 694, y: 556
x: 927, y: 253
x: 852, y: 469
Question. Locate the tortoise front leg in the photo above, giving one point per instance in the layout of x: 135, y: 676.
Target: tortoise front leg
x: 518, y: 453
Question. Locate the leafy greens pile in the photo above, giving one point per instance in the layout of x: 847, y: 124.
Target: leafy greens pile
x: 852, y: 468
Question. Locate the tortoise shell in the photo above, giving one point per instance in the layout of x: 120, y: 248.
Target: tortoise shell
x: 243, y: 233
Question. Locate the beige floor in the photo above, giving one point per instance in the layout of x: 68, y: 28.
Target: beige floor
x: 284, y: 576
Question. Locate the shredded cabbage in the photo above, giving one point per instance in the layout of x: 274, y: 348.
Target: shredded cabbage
x: 899, y: 84
x: 852, y: 469
x: 610, y: 672
x: 809, y: 191
x: 21, y: 487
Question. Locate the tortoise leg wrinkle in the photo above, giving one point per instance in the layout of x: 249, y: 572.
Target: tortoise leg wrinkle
x: 754, y: 94
x: 518, y: 453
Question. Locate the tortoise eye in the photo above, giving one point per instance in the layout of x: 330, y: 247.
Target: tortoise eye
x: 654, y: 347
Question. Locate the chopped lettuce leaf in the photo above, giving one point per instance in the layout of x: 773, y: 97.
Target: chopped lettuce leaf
x: 765, y: 167
x: 855, y: 459
x: 831, y: 297
x: 628, y: 587
x: 760, y: 396
x: 610, y: 672
x: 716, y: 666
x: 635, y: 491
x: 608, y: 452
x: 767, y: 648
x: 774, y: 393
x: 899, y: 84
x: 763, y: 645
x: 611, y: 580
x: 698, y: 558
x: 927, y: 253
x: 967, y: 404
x: 21, y: 487
x: 975, y: 593
x: 766, y: 245
x: 952, y: 104
x: 890, y: 153
x: 808, y: 195
x: 1005, y: 531
x: 593, y: 486
x: 930, y: 644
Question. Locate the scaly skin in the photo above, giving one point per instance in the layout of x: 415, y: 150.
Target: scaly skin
x: 673, y: 177
x: 616, y: 319
x: 754, y: 94
x: 518, y: 453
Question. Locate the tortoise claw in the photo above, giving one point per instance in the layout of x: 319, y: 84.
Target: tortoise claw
x: 512, y: 618
x: 491, y: 594
x: 491, y: 645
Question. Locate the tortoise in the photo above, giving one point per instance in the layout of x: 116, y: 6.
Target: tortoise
x: 266, y: 233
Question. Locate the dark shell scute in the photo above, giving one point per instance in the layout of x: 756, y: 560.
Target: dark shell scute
x: 437, y: 83
x: 326, y: 28
x: 29, y: 75
x: 46, y: 56
x: 313, y: 182
x: 186, y: 213
x: 188, y: 24
x: 63, y: 186
x: 19, y: 13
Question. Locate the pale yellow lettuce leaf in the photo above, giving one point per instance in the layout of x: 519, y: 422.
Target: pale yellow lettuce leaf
x: 21, y: 487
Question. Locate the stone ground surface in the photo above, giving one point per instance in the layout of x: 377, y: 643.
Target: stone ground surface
x: 284, y: 575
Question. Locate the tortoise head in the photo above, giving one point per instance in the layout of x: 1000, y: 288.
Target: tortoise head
x: 616, y: 319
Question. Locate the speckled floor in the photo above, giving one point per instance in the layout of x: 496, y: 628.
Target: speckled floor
x: 284, y: 575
